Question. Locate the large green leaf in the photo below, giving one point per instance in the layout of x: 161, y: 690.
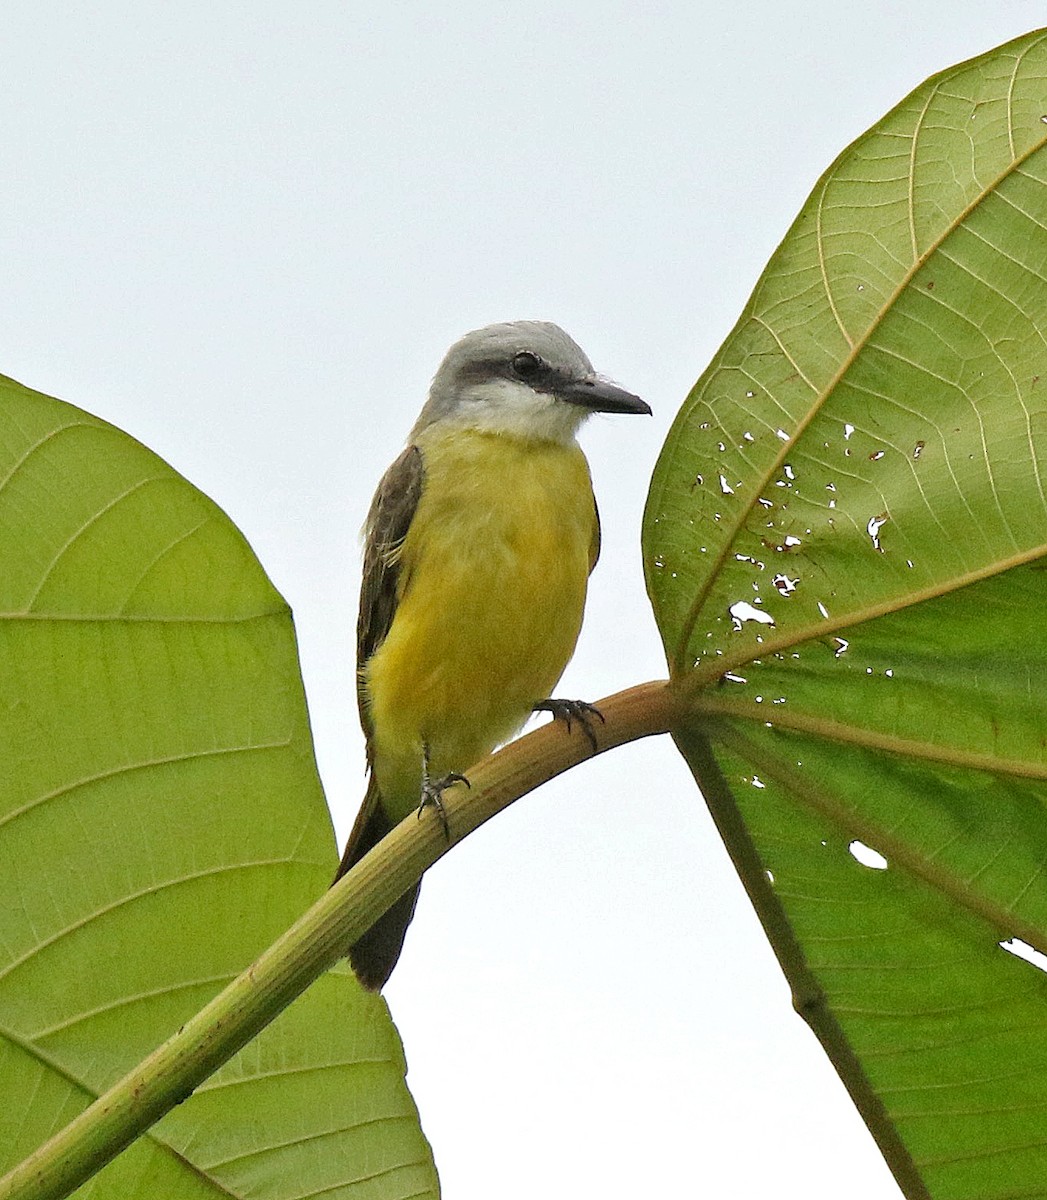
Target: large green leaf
x: 844, y: 546
x: 161, y: 822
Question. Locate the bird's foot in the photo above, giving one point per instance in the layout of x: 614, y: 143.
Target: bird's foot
x: 573, y: 710
x: 432, y: 794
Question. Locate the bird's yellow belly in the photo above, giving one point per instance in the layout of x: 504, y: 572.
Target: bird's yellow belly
x: 493, y: 577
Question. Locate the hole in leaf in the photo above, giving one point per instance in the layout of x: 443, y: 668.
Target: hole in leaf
x: 873, y: 530
x: 743, y: 611
x: 867, y: 856
x: 1026, y: 952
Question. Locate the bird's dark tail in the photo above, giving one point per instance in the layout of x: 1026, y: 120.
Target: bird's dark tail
x: 374, y: 955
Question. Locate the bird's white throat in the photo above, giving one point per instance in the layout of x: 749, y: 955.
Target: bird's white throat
x: 508, y: 407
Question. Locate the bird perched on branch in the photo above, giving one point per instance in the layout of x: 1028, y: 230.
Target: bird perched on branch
x: 478, y: 548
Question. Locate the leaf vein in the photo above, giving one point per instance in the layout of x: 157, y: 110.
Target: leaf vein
x: 130, y: 898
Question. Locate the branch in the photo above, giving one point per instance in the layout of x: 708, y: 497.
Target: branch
x: 315, y: 942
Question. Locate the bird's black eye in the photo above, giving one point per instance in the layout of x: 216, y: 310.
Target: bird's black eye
x: 526, y: 365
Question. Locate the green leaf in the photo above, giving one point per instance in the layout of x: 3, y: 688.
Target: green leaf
x: 162, y: 822
x: 844, y: 546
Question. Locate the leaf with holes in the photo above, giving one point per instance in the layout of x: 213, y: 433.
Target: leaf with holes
x: 845, y: 548
x: 161, y: 822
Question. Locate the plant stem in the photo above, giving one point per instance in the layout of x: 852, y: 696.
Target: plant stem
x: 315, y: 942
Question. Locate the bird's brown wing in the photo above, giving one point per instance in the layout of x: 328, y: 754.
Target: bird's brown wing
x: 374, y: 955
x: 388, y: 521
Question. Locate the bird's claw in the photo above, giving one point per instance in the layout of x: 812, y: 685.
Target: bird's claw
x: 432, y: 796
x: 569, y: 711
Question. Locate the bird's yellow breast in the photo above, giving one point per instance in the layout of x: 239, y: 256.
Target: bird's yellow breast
x: 493, y: 575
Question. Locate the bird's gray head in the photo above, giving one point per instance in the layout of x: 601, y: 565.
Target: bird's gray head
x: 522, y: 378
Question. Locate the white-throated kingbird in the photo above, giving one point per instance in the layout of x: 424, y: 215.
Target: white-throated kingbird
x: 478, y: 548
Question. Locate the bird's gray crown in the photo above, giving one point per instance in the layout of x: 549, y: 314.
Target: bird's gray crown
x: 487, y: 354
x: 524, y: 379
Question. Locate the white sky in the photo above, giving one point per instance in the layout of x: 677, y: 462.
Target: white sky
x: 246, y: 232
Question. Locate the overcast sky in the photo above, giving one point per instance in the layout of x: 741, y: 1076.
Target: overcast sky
x: 246, y: 233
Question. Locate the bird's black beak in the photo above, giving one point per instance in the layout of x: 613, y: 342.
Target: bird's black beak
x: 598, y: 395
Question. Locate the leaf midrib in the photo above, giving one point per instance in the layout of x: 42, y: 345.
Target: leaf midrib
x: 712, y: 670
x: 864, y: 737
x: 788, y: 447
x: 898, y: 852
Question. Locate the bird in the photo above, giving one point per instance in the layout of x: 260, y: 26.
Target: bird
x: 478, y: 547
